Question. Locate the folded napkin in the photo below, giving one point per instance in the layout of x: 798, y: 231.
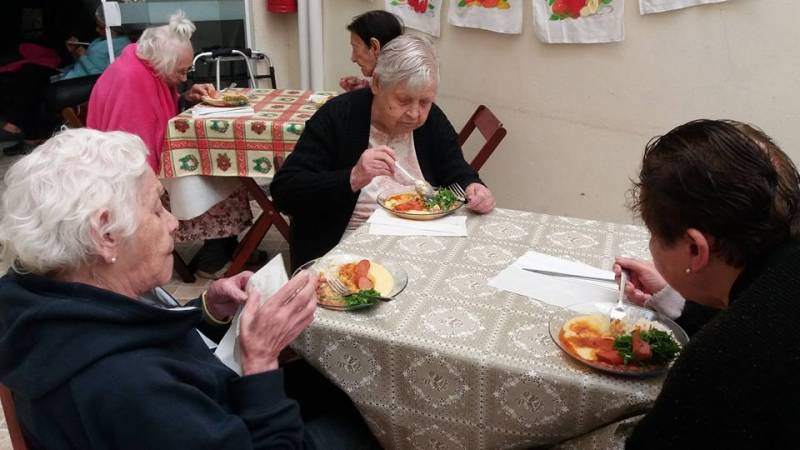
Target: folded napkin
x: 203, y: 111
x: 555, y: 290
x: 266, y: 281
x: 385, y: 224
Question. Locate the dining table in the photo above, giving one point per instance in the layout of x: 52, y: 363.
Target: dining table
x: 453, y: 363
x: 207, y: 156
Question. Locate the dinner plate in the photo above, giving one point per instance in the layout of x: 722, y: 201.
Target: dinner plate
x: 328, y: 264
x: 632, y: 314
x: 219, y: 101
x: 415, y: 215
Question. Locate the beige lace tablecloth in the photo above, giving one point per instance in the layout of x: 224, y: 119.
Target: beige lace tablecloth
x: 453, y: 363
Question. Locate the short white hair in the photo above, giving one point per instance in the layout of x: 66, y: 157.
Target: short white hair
x: 52, y: 194
x: 407, y: 59
x: 161, y: 46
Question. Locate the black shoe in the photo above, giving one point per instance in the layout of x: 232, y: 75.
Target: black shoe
x: 20, y: 148
x: 214, y: 257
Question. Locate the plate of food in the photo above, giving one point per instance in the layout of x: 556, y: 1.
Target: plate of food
x: 411, y: 205
x: 227, y: 99
x: 644, y: 343
x: 366, y: 279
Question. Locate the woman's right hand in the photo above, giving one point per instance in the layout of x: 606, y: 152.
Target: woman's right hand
x: 350, y: 83
x: 644, y: 279
x: 268, y: 327
x: 373, y: 162
x: 74, y: 49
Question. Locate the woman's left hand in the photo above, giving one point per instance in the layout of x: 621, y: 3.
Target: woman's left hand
x: 224, y: 296
x: 480, y: 198
x: 197, y: 91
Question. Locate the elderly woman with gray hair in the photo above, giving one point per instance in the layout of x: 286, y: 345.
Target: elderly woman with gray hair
x: 348, y: 150
x: 98, y: 356
x: 137, y: 94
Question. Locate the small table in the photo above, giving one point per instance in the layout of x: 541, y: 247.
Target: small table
x: 454, y: 363
x: 206, y: 159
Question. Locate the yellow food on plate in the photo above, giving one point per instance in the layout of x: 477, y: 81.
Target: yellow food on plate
x: 357, y: 276
x: 585, y: 335
x: 381, y: 278
x: 226, y: 99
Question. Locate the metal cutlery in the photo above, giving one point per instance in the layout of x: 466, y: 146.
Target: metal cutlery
x: 422, y: 187
x: 566, y: 275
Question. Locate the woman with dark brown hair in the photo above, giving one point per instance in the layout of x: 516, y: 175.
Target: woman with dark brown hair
x: 721, y: 202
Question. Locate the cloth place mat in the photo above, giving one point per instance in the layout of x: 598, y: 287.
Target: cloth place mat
x: 574, y: 22
x: 657, y: 6
x: 385, y: 224
x: 554, y: 290
x: 419, y: 15
x: 504, y: 16
x: 266, y: 281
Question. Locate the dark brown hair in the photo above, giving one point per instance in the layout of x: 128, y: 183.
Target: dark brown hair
x: 381, y: 25
x: 724, y: 178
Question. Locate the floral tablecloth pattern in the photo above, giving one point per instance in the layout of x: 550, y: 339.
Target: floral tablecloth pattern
x: 455, y: 364
x: 241, y: 146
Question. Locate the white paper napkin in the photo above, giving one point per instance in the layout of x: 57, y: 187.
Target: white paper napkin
x: 266, y: 281
x: 554, y: 290
x: 202, y: 111
x: 385, y: 224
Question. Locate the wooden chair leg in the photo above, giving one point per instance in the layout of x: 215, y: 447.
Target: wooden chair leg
x: 182, y: 268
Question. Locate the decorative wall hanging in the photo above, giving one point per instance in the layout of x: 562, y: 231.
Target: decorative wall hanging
x: 579, y: 21
x: 501, y: 16
x: 422, y: 15
x: 657, y: 6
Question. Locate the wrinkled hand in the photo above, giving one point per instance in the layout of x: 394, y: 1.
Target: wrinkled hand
x: 267, y: 328
x: 197, y: 91
x: 644, y: 280
x: 373, y: 162
x: 480, y: 198
x: 350, y: 83
x: 226, y: 294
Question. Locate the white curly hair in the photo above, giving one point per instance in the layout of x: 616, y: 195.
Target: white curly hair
x: 407, y: 59
x: 161, y: 46
x: 52, y: 194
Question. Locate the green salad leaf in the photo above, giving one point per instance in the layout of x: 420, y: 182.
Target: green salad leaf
x: 662, y: 344
x: 444, y: 199
x: 362, y: 297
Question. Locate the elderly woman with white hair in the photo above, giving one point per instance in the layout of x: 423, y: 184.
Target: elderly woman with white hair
x: 97, y: 355
x: 347, y: 153
x: 137, y: 94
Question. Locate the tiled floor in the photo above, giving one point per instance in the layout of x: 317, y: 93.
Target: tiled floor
x: 273, y: 243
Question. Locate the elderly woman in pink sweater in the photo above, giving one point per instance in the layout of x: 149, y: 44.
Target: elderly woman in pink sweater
x: 138, y: 94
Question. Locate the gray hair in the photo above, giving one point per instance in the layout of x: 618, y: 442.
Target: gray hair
x: 52, y: 194
x: 161, y: 46
x: 407, y: 59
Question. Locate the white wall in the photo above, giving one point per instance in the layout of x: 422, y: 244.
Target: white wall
x: 579, y: 115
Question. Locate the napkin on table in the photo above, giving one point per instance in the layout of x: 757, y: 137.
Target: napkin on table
x: 202, y: 111
x: 383, y: 223
x: 266, y: 281
x: 555, y: 290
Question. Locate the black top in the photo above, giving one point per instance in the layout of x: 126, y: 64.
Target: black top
x: 313, y: 186
x: 93, y: 369
x: 737, y: 383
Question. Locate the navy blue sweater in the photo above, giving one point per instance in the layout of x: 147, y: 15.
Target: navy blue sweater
x: 91, y: 369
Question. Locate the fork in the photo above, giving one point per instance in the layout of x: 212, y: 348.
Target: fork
x: 339, y: 288
x: 458, y: 191
x: 618, y: 311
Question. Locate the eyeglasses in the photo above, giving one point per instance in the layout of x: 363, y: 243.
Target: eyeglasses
x: 184, y: 72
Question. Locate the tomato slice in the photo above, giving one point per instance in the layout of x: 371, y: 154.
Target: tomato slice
x: 641, y: 349
x: 610, y: 356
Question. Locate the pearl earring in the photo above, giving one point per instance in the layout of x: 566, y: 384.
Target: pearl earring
x: 688, y: 270
x: 113, y: 259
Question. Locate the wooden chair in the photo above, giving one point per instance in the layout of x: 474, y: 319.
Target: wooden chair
x: 14, y: 430
x: 490, y: 127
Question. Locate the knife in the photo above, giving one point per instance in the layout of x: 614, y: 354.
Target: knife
x: 566, y: 275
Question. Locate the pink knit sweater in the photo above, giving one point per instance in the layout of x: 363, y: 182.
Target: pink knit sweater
x: 131, y: 97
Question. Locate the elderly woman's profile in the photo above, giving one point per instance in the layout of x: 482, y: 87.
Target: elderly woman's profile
x: 347, y: 153
x: 98, y: 356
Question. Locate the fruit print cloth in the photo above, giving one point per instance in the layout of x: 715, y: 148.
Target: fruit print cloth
x: 579, y: 21
x: 657, y: 6
x: 501, y: 16
x: 422, y: 15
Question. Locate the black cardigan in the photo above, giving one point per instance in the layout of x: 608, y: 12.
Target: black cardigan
x: 313, y: 186
x: 737, y: 383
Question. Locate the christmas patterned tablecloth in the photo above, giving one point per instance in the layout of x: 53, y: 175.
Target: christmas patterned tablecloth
x: 452, y: 363
x: 240, y: 146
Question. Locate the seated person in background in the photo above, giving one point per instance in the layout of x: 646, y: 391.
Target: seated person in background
x: 137, y: 94
x: 98, y: 356
x: 369, y: 33
x: 647, y: 287
x: 94, y: 59
x: 723, y: 215
x: 347, y: 152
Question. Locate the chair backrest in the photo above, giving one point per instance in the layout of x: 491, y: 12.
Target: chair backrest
x: 14, y: 430
x: 490, y: 127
